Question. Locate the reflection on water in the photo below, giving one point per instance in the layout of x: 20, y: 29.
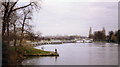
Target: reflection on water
x: 78, y: 54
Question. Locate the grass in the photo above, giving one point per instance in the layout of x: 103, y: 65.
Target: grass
x: 19, y: 53
x: 30, y: 51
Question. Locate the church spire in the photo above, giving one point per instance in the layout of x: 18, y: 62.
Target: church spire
x: 104, y: 30
x: 90, y: 33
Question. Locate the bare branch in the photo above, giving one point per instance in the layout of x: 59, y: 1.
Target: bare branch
x: 13, y: 5
x: 21, y: 7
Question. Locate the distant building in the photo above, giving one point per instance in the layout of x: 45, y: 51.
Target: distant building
x: 104, y: 31
x: 100, y: 35
x: 90, y: 33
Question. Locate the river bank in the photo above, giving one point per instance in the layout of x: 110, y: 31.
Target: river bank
x: 19, y: 53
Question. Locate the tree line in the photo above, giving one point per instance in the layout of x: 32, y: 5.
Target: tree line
x: 113, y: 36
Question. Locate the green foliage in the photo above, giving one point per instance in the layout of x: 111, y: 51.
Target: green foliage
x: 28, y: 50
x: 114, y: 36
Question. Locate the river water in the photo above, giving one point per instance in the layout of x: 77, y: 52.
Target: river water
x: 78, y: 54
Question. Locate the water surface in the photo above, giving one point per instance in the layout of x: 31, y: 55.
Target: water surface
x: 78, y: 54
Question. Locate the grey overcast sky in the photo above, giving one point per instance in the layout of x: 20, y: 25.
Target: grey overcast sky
x: 71, y: 17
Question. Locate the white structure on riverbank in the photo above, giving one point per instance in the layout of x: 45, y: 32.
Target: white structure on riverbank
x: 85, y: 41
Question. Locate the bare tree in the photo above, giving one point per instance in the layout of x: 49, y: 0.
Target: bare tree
x: 8, y: 9
x: 26, y: 17
x: 9, y: 12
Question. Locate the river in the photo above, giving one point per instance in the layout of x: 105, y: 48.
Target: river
x: 78, y: 54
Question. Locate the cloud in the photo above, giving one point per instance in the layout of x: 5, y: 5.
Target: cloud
x: 76, y: 17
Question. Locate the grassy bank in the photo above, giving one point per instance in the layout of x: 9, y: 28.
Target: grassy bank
x: 30, y: 51
x: 19, y: 53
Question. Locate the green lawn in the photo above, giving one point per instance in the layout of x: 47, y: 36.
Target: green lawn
x: 28, y: 50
